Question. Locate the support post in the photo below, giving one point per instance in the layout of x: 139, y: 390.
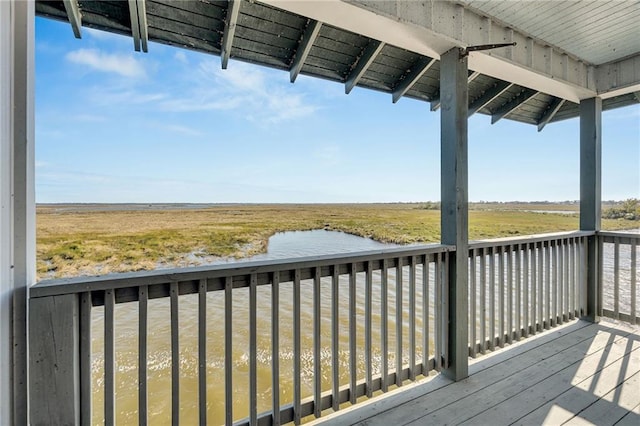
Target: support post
x: 54, y: 362
x: 591, y: 194
x: 17, y: 203
x: 454, y: 198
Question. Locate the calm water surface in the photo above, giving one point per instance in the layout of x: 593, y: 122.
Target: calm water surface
x: 283, y: 245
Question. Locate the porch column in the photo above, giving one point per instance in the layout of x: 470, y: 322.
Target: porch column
x: 454, y: 197
x: 591, y: 193
x: 17, y: 203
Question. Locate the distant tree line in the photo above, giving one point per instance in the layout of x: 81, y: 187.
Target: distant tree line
x: 627, y: 209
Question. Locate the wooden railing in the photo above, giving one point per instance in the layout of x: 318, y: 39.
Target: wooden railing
x: 619, y: 281
x: 330, y: 330
x: 407, y: 285
x: 518, y: 287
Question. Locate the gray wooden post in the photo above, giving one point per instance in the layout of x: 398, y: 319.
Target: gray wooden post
x: 17, y: 203
x: 54, y: 364
x: 454, y: 197
x: 591, y: 194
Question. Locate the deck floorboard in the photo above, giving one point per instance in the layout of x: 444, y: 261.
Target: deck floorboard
x: 579, y: 373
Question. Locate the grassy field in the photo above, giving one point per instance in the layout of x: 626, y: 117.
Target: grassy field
x: 97, y: 239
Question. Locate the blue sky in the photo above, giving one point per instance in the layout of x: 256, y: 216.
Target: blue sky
x: 113, y: 125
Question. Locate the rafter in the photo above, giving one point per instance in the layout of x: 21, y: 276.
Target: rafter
x: 139, y: 31
x: 512, y: 105
x: 74, y: 16
x: 230, y: 21
x: 304, y: 47
x: 488, y: 96
x: 414, y: 74
x: 364, y: 61
x: 548, y: 114
x: 435, y: 102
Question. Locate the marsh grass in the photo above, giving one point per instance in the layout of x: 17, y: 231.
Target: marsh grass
x: 74, y: 241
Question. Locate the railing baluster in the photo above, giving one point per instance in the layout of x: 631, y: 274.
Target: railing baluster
x: 492, y: 300
x: 143, y: 394
x: 518, y: 290
x: 633, y: 267
x: 510, y: 254
x: 526, y: 287
x: 228, y: 350
x: 275, y: 346
x: 202, y: 351
x: 566, y: 283
x: 384, y: 334
x: 554, y: 284
x: 109, y: 358
x: 542, y: 253
x: 368, y: 361
x: 352, y: 334
x: 535, y: 318
x: 439, y: 320
x: 583, y: 275
x: 399, y: 322
x: 501, y: 296
x: 547, y: 258
x: 412, y: 319
x: 560, y: 291
x: 317, y: 373
x: 175, y: 356
x: 483, y: 300
x: 572, y: 279
x: 616, y: 279
x: 297, y: 394
x: 425, y: 309
x: 85, y: 359
x: 335, y: 338
x: 472, y: 304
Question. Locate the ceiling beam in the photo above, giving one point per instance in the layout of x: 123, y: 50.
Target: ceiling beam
x: 410, y: 78
x: 488, y: 96
x: 435, y: 102
x: 139, y: 30
x: 74, y: 16
x: 362, y: 64
x: 230, y: 21
x: 512, y: 105
x: 304, y: 47
x: 550, y: 112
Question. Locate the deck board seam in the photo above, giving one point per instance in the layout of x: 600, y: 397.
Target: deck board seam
x: 618, y: 337
x: 595, y: 373
x: 548, y: 338
x: 600, y: 398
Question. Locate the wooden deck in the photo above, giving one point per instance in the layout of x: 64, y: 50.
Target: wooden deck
x: 580, y: 373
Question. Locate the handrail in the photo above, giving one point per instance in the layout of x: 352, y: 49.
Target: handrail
x: 116, y: 281
x: 527, y: 239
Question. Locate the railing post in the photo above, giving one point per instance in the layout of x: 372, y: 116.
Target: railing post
x: 590, y: 194
x: 454, y: 210
x: 17, y: 203
x: 54, y: 364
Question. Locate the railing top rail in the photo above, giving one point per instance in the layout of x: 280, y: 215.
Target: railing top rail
x: 620, y: 234
x: 528, y: 239
x: 136, y: 279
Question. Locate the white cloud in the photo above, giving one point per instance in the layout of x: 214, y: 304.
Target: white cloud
x: 124, y: 65
x: 180, y: 56
x: 245, y: 88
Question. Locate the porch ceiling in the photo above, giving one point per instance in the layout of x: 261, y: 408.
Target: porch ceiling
x: 318, y: 39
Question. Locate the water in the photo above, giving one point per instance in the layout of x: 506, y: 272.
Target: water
x: 284, y: 245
